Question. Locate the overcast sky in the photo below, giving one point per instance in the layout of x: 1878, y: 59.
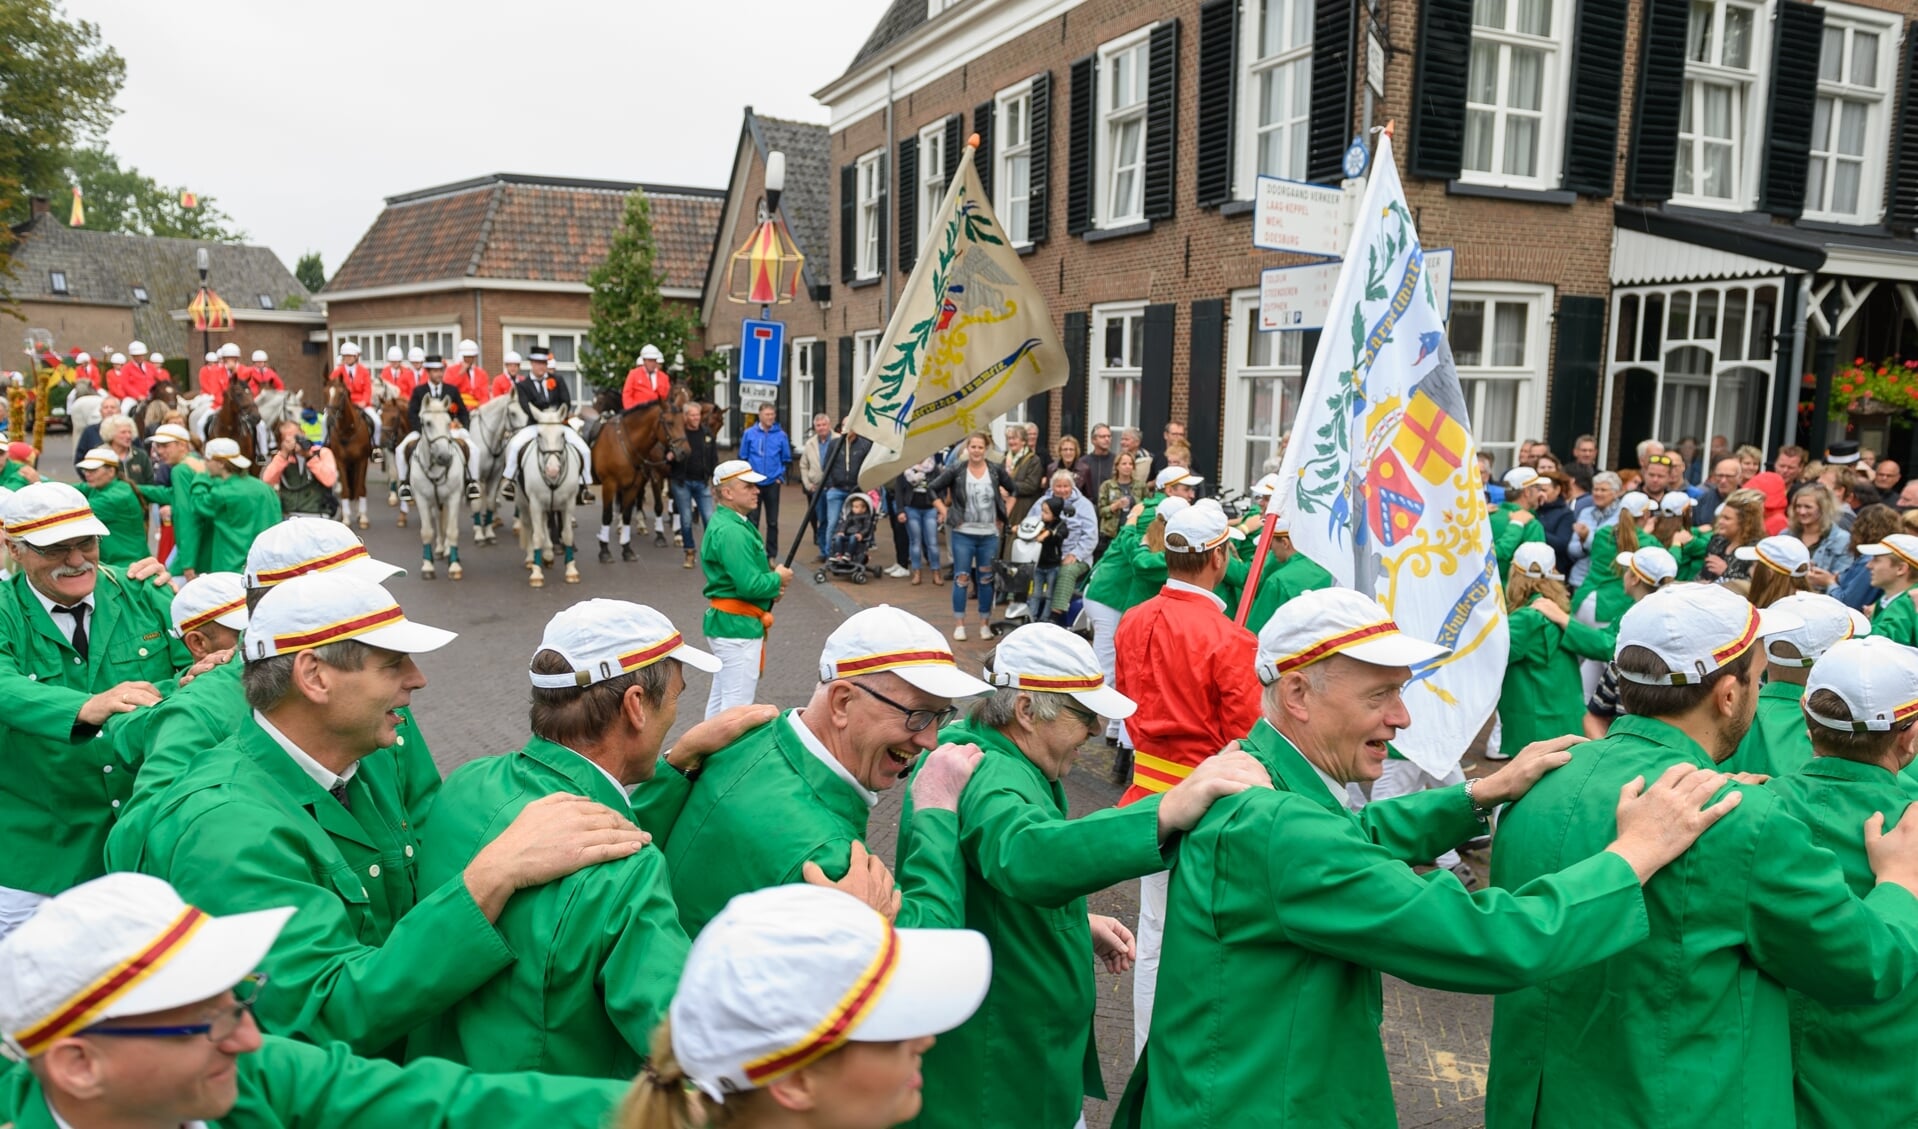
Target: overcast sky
x: 300, y: 118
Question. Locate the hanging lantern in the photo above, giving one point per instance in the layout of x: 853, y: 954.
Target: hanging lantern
x: 210, y: 312
x: 188, y: 199
x: 771, y: 264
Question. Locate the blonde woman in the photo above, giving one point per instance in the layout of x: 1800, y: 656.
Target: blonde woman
x: 1813, y: 519
x: 1740, y: 522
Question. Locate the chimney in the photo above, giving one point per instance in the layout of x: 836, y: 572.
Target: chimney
x: 40, y: 206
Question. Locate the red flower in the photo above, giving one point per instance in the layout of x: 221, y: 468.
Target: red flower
x: 1858, y: 360
x: 1844, y: 388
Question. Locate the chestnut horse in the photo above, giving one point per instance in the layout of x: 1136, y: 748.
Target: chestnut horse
x: 629, y: 454
x: 239, y: 421
x: 350, y: 437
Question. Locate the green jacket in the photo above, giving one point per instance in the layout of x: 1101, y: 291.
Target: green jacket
x: 366, y: 959
x: 765, y: 806
x: 1542, y: 671
x: 192, y: 523
x: 1897, y: 618
x: 292, y: 1085
x: 10, y: 476
x: 239, y: 508
x: 1148, y: 566
x: 1851, y: 1065
x: 1283, y: 911
x: 63, y: 787
x: 1777, y: 742
x: 1026, y: 1057
x: 1689, y: 1028
x: 597, y: 953
x: 1510, y: 535
x: 1112, y: 577
x: 125, y: 518
x: 1604, y: 578
x: 1690, y: 556
x: 734, y: 557
x: 1299, y: 573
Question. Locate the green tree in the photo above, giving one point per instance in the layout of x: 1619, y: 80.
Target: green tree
x: 628, y: 310
x: 310, y: 271
x: 122, y: 198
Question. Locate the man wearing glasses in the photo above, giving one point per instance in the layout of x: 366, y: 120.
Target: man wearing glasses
x: 123, y: 1005
x: 789, y: 800
x: 79, y: 643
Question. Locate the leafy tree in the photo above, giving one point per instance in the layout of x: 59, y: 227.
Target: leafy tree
x: 628, y: 310
x: 126, y: 200
x: 310, y: 271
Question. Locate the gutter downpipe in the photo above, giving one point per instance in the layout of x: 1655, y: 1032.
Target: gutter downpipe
x: 886, y: 193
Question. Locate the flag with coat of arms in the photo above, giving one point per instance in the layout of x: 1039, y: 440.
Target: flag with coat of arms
x: 1381, y: 481
x: 970, y: 339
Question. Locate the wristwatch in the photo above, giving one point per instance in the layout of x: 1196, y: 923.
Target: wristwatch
x: 1482, y: 814
x: 691, y: 774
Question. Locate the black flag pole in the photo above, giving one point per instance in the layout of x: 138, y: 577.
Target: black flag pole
x: 812, y: 510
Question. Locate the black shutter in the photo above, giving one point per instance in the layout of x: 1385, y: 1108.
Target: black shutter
x: 1438, y: 88
x: 1797, y: 36
x: 1161, y: 120
x: 1082, y: 99
x: 1038, y: 207
x: 1039, y: 411
x: 1903, y: 182
x: 1072, y: 404
x: 1218, y: 67
x: 1334, y: 65
x: 982, y: 160
x: 1155, y: 369
x: 1661, y: 93
x: 845, y: 378
x: 848, y: 221
x: 908, y: 204
x: 1575, y: 363
x: 1591, y: 122
x: 817, y: 402
x: 1205, y: 387
x: 955, y: 145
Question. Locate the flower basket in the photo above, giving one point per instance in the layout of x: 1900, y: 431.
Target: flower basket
x: 1885, y: 388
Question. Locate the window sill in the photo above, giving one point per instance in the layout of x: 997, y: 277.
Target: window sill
x: 1101, y: 234
x: 1838, y: 225
x: 1024, y: 249
x: 1238, y: 208
x: 1501, y: 192
x: 862, y: 283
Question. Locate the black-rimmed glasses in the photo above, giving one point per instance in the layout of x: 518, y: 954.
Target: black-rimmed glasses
x: 65, y: 549
x: 217, y: 1030
x: 917, y: 721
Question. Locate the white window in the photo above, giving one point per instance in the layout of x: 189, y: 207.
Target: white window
x: 57, y: 281
x: 1012, y: 180
x: 1265, y: 379
x: 932, y: 178
x: 1123, y: 74
x: 1702, y: 354
x: 805, y: 384
x: 871, y: 178
x: 1276, y: 91
x: 1498, y: 334
x: 865, y: 346
x: 563, y: 344
x: 1716, y: 121
x: 1848, y: 141
x: 1118, y: 343
x: 1017, y: 417
x: 1514, y: 96
x: 374, y: 343
x: 934, y: 7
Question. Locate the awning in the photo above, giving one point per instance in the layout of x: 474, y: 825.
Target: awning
x: 1638, y: 259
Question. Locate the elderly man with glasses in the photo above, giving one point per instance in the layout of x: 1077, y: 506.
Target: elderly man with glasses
x: 789, y: 800
x: 79, y: 643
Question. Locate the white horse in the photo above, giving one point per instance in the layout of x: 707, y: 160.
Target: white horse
x: 549, y: 477
x: 494, y: 422
x: 438, y: 476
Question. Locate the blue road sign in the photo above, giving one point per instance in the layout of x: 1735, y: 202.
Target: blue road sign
x: 1358, y: 158
x: 762, y: 349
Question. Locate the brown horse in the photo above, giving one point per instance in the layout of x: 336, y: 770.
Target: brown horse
x: 239, y: 421
x: 151, y: 412
x: 350, y: 437
x: 629, y: 454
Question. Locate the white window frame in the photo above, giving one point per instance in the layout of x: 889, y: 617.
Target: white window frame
x: 723, y: 394
x: 1238, y: 473
x: 934, y: 7
x: 1017, y: 98
x: 1108, y: 212
x: 1106, y: 403
x: 1878, y: 101
x: 1530, y: 377
x: 543, y: 336
x: 1252, y: 69
x: 931, y: 189
x: 1749, y: 92
x: 1552, y: 96
x: 868, y: 213
x: 865, y: 346
x: 374, y: 340
x: 805, y: 384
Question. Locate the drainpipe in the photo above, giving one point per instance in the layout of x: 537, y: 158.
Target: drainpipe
x: 886, y: 191
x: 479, y: 325
x: 1784, y: 424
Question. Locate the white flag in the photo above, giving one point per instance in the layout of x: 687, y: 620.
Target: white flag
x: 1381, y: 475
x: 969, y: 340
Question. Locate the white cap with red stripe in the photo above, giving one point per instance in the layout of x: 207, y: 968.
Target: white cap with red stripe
x: 330, y: 607
x: 1695, y: 629
x: 1336, y: 621
x: 787, y: 975
x: 1781, y: 554
x: 1823, y: 624
x: 47, y: 513
x: 1904, y: 546
x: 604, y: 639
x: 1045, y: 658
x: 1651, y: 564
x: 736, y: 469
x: 888, y: 639
x: 211, y: 597
x: 300, y: 545
x: 1877, y: 679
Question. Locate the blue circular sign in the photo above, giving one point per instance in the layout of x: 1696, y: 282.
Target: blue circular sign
x: 1358, y: 158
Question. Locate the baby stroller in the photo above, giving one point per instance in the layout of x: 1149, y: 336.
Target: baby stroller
x: 1013, y: 576
x: 851, y: 543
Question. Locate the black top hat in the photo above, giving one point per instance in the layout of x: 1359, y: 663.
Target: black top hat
x: 540, y: 355
x: 433, y: 361
x: 1842, y: 452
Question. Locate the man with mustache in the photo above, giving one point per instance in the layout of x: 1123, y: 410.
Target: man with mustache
x: 79, y: 643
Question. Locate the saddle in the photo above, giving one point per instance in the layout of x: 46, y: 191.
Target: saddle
x: 591, y: 431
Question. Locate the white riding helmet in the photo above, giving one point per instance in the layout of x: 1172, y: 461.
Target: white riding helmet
x: 512, y: 358
x: 468, y: 348
x: 259, y: 356
x: 416, y: 356
x: 651, y: 352
x: 137, y: 349
x: 349, y: 350
x: 230, y: 350
x: 117, y: 359
x: 83, y: 359
x: 159, y: 359
x: 395, y: 355
x: 213, y: 358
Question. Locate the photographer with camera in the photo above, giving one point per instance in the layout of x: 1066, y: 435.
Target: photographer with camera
x: 302, y: 472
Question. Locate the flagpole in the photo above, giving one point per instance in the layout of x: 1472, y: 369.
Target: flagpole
x: 1251, y: 588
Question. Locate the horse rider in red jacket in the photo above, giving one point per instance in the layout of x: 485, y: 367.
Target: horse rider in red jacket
x: 648, y: 382
x: 259, y: 377
x: 359, y: 387
x: 213, y: 380
x: 467, y: 375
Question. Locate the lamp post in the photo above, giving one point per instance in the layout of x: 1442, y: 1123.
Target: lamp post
x: 769, y: 207
x: 201, y: 259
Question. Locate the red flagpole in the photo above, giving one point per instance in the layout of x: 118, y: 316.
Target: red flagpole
x: 1251, y: 588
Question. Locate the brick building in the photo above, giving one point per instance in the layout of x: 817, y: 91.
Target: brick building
x: 1122, y: 142
x: 503, y: 260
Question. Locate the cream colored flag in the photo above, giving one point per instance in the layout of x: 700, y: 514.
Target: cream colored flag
x: 969, y: 340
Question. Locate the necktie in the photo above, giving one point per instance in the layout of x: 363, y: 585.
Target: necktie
x: 339, y: 793
x: 79, y: 614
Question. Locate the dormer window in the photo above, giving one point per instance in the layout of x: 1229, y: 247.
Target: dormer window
x: 266, y: 302
x: 140, y: 295
x: 57, y: 281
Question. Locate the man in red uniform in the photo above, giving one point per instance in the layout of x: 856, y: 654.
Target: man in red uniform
x: 468, y: 377
x: 397, y: 374
x: 85, y: 369
x: 1194, y: 674
x: 213, y: 379
x: 260, y: 377
x: 648, y: 382
x: 139, y: 375
x: 115, y: 386
x: 359, y: 387
x: 503, y: 383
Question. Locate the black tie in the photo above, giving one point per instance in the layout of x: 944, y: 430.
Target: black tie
x: 79, y: 614
x: 339, y: 793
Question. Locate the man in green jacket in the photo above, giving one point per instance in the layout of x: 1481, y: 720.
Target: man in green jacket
x: 1851, y: 1066
x: 1026, y: 1057
x: 79, y: 643
x: 597, y: 953
x: 1893, y: 564
x: 298, y: 810
x: 238, y: 507
x: 192, y: 544
x: 1515, y: 522
x: 1778, y: 742
x: 1285, y: 907
x: 742, y: 583
x: 789, y: 801
x: 1288, y: 572
x: 175, y: 1042
x: 1690, y: 1028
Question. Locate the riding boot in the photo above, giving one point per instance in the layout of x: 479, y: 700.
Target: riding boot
x: 505, y: 489
x: 585, y: 496
x: 406, y: 492
x: 472, y: 491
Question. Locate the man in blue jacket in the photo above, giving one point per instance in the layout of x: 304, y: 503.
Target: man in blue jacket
x: 766, y: 447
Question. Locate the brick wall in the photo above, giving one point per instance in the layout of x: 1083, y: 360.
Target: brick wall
x: 92, y: 328
x: 285, y: 351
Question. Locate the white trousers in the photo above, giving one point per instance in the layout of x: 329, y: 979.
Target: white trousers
x: 1105, y: 624
x: 738, y: 680
x: 526, y: 435
x: 1148, y: 939
x: 373, y: 418
x: 1402, y: 778
x: 15, y: 907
